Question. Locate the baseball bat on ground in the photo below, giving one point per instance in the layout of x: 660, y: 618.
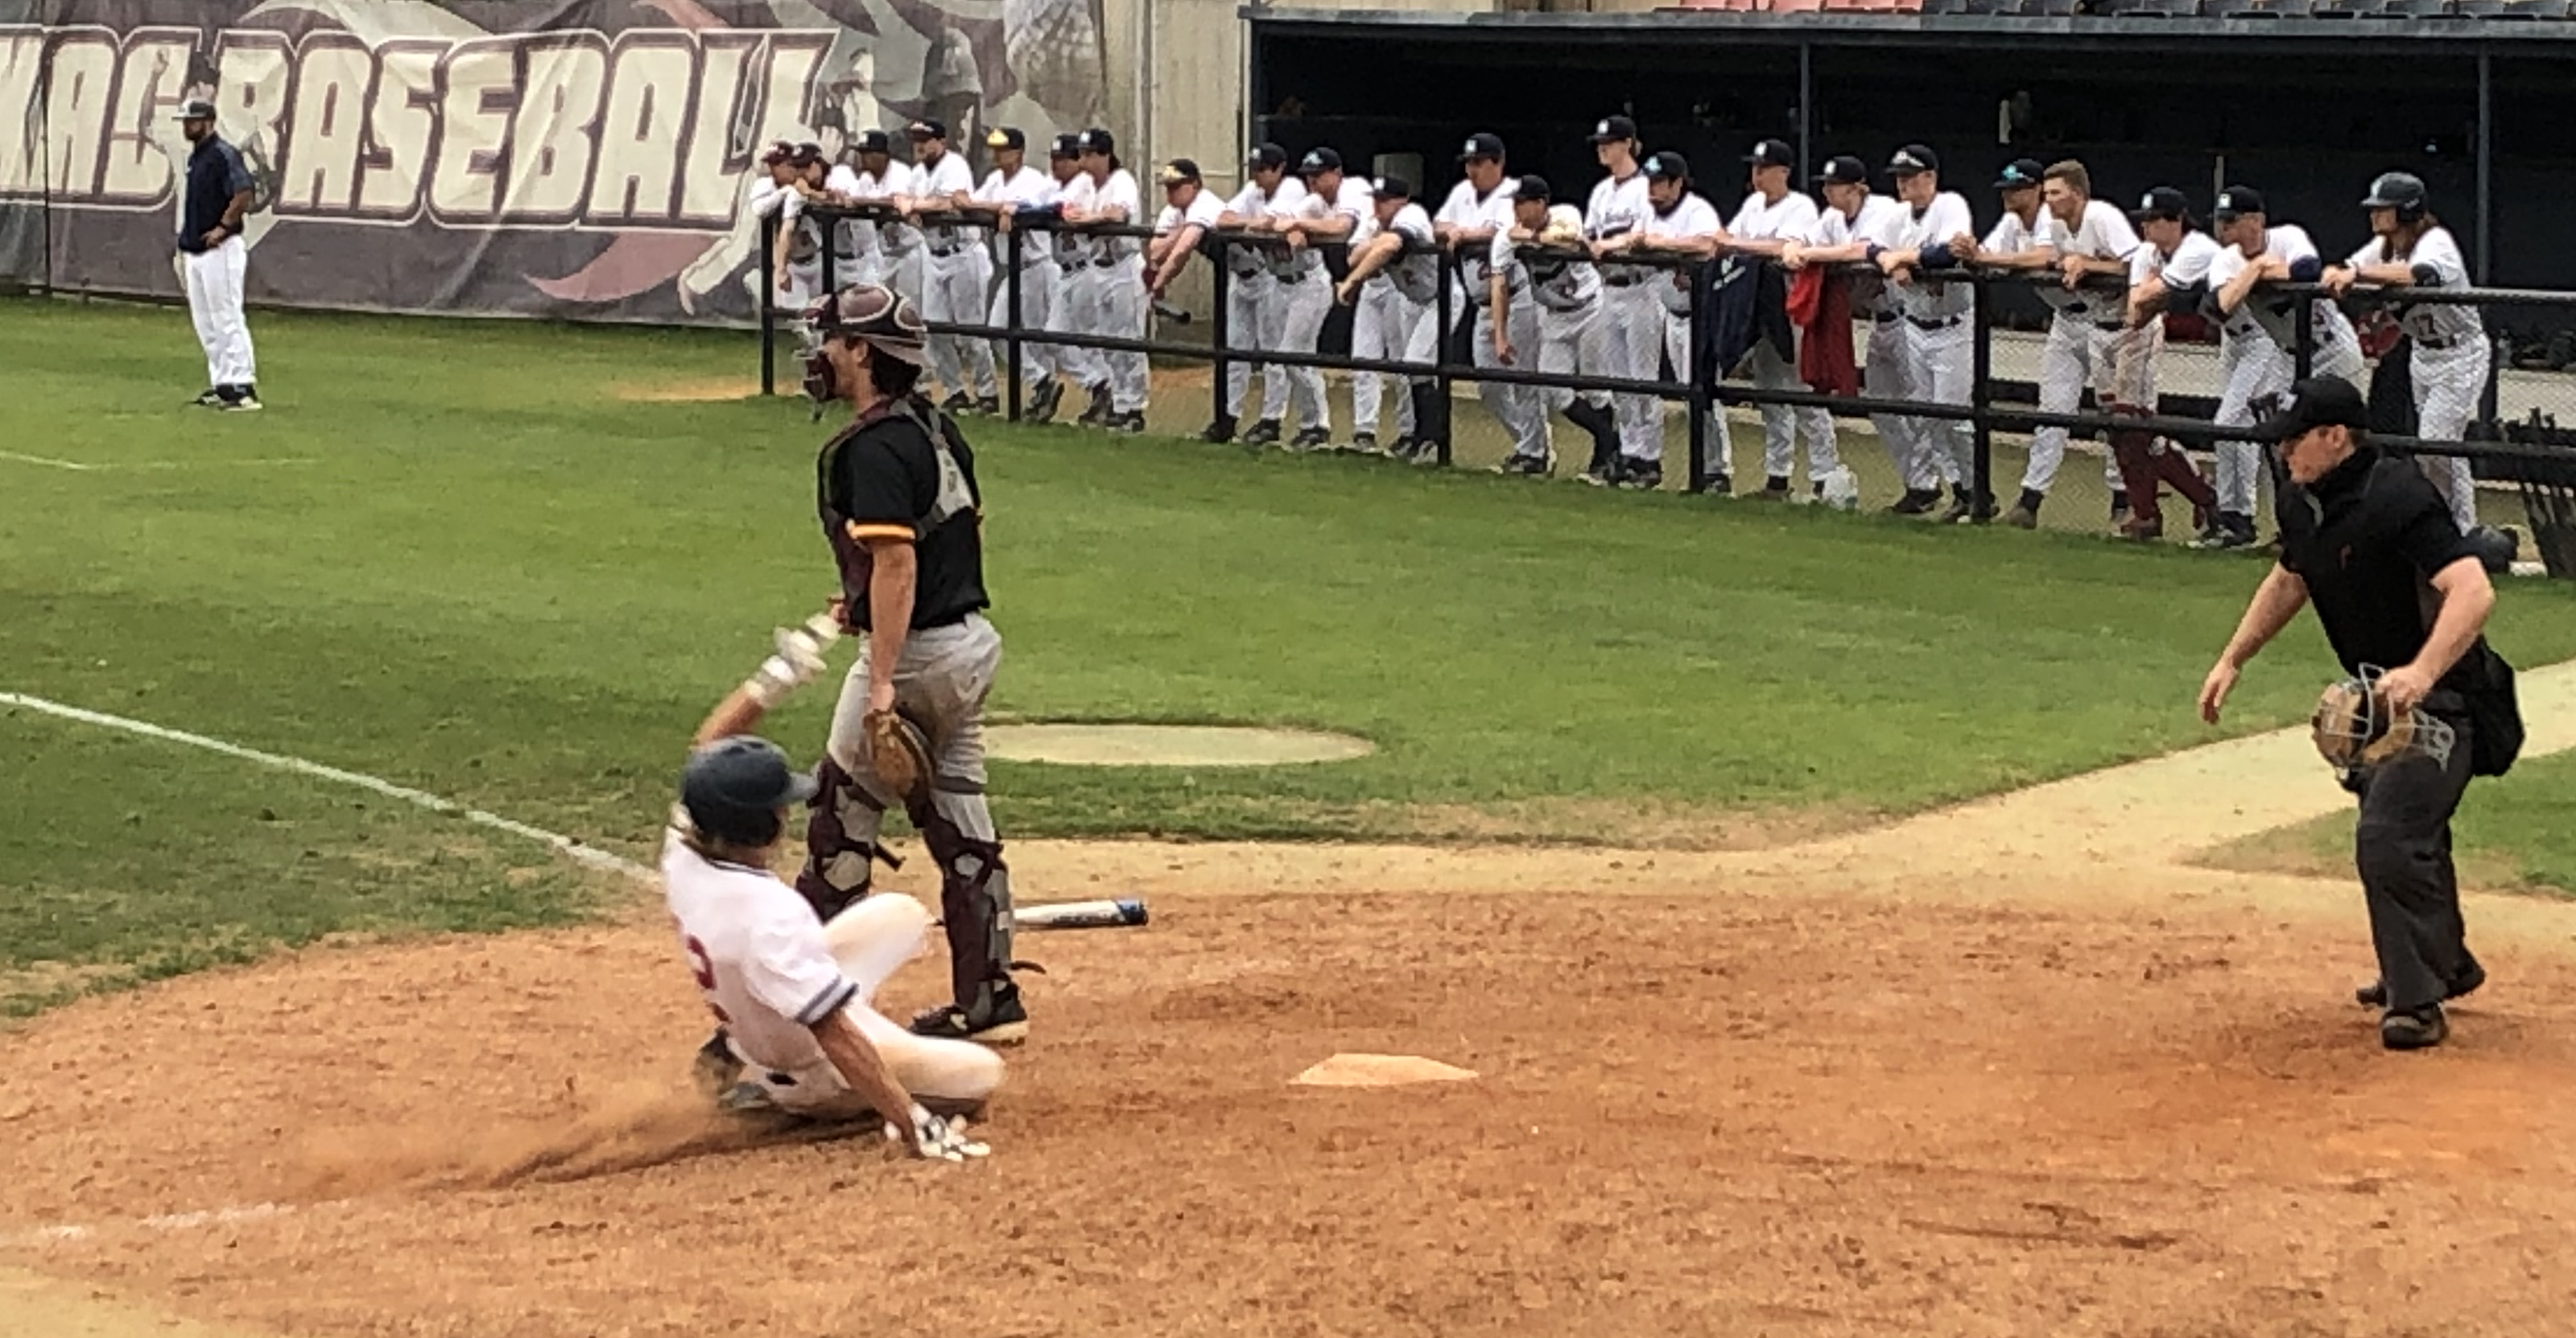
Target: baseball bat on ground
x: 1080, y: 915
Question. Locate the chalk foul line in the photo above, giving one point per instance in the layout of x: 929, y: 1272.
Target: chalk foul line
x: 571, y: 848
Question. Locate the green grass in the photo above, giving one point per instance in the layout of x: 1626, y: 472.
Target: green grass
x: 2513, y: 834
x: 494, y: 574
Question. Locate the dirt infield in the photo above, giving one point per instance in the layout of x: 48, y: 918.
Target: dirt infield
x: 2006, y: 1070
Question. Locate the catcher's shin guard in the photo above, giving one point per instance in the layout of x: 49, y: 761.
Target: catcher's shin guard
x: 974, y: 895
x: 840, y: 842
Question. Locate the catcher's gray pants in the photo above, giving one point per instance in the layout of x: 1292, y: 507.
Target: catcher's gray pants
x: 1300, y: 303
x: 1387, y: 324
x: 1783, y: 423
x: 1945, y: 363
x: 2076, y: 355
x: 1633, y: 317
x: 2402, y: 849
x: 960, y: 289
x: 1037, y: 298
x: 2448, y: 382
x: 1122, y: 314
x: 1575, y: 341
x: 1250, y: 326
x: 1076, y: 310
x: 2251, y: 368
x: 1892, y: 375
x: 1721, y: 447
x: 1517, y: 408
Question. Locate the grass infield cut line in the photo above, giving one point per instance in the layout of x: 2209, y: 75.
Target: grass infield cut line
x: 77, y: 466
x: 568, y: 846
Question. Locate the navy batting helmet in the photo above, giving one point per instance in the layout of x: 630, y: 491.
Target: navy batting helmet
x: 733, y: 789
x: 2401, y: 191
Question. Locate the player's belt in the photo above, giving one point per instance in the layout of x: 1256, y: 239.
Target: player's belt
x: 2439, y: 345
x: 1632, y: 279
x: 1921, y: 324
x: 1885, y: 317
x: 1292, y: 276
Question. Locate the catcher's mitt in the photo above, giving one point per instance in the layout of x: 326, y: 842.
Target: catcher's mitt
x: 2355, y: 730
x: 899, y: 754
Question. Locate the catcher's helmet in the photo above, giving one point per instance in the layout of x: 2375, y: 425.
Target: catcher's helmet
x: 2401, y: 191
x: 733, y: 788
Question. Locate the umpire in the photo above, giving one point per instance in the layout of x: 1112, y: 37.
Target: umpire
x: 2398, y: 589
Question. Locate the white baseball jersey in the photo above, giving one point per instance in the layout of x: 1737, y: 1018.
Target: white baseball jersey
x: 897, y: 239
x: 1117, y: 196
x: 942, y: 182
x: 1792, y: 216
x: 2011, y: 235
x: 1252, y: 204
x: 1690, y: 216
x: 2101, y: 232
x: 1204, y: 210
x: 1557, y: 284
x: 2426, y: 321
x: 1879, y: 222
x: 1415, y: 274
x: 1293, y: 200
x: 1024, y: 189
x: 2187, y: 267
x: 2291, y: 244
x: 1467, y: 210
x: 1356, y: 200
x: 1931, y: 226
x: 1618, y: 207
x: 757, y: 953
x: 1073, y: 248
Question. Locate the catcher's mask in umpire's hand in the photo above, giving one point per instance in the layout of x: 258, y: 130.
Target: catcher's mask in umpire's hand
x: 870, y: 312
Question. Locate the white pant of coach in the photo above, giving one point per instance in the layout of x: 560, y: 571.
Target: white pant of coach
x: 1633, y: 317
x: 215, y: 305
x: 958, y: 283
x: 1944, y: 359
x: 1038, y: 282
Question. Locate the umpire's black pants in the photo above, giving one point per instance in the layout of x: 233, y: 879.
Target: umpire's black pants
x: 2402, y: 846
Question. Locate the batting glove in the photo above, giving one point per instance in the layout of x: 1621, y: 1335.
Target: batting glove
x: 936, y: 1138
x: 798, y: 661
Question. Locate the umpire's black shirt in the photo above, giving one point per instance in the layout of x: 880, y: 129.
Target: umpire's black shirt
x: 2367, y: 539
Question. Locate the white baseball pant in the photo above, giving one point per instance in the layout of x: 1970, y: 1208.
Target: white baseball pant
x: 2448, y: 384
x: 905, y: 274
x: 1122, y: 315
x: 1387, y: 324
x: 959, y: 292
x: 1038, y: 282
x: 1782, y: 423
x: 2076, y: 355
x: 1945, y: 365
x: 1299, y: 305
x: 215, y: 306
x: 2250, y: 367
x: 1250, y: 321
x: 1721, y: 447
x: 1076, y: 311
x: 1517, y: 408
x: 1890, y: 374
x: 1572, y: 342
x: 1634, y: 314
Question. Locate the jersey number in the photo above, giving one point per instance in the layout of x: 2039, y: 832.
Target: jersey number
x: 705, y: 971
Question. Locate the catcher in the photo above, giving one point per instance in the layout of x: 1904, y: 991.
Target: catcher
x: 899, y: 504
x: 2403, y: 599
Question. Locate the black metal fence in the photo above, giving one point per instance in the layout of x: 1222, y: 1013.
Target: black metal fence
x: 2514, y: 441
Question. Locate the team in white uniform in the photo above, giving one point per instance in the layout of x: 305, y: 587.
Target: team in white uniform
x: 957, y: 271
x: 1335, y: 207
x: 1679, y: 222
x: 1855, y: 224
x: 1478, y: 210
x: 1772, y: 217
x: 1563, y: 295
x: 2449, y: 362
x: 1009, y: 190
x: 1394, y: 288
x: 1632, y: 302
x: 2168, y: 273
x: 2258, y: 343
x: 1940, y: 336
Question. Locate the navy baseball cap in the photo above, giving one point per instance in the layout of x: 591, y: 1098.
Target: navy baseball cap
x: 2164, y: 202
x: 1772, y: 153
x: 2325, y: 401
x: 2020, y: 174
x: 1482, y: 145
x: 1006, y: 137
x: 1319, y: 160
x: 1266, y: 156
x: 196, y: 109
x: 1843, y: 170
x: 1533, y: 187
x: 926, y: 128
x: 1067, y: 145
x: 1911, y: 159
x: 2236, y: 200
x: 1180, y: 172
x: 1667, y: 166
x: 1394, y: 188
x: 875, y: 141
x: 1095, y: 140
x: 1614, y: 130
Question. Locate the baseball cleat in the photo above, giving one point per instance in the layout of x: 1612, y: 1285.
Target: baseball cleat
x: 1365, y: 443
x: 2119, y: 506
x: 1000, y: 1020
x: 2421, y: 1029
x: 1648, y: 475
x: 746, y: 1098
x: 242, y: 403
x: 2022, y: 518
x: 989, y: 405
x: 1527, y: 466
x: 715, y: 1070
x: 212, y: 398
x: 1309, y: 439
x: 1218, y: 432
x: 1915, y: 502
x: 1774, y: 489
x: 1128, y: 423
x: 1719, y: 485
x: 2375, y: 994
x: 1044, y: 400
x: 1263, y: 433
x: 1099, y: 413
x: 957, y: 403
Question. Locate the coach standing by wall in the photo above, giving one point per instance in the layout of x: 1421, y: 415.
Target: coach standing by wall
x: 217, y: 259
x: 2367, y: 540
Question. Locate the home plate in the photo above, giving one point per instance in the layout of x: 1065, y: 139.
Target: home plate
x: 1380, y: 1071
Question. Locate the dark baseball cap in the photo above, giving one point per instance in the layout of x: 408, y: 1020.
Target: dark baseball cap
x: 1266, y: 156
x: 807, y: 154
x: 196, y: 109
x: 1482, y: 145
x: 2164, y: 202
x: 1772, y: 153
x: 875, y: 141
x: 779, y: 151
x: 1843, y: 170
x: 1667, y: 166
x: 927, y: 128
x: 2020, y: 174
x: 1006, y: 137
x: 2324, y: 401
x: 1614, y: 130
x: 1393, y: 188
x: 1095, y: 140
x: 2236, y: 200
x: 1067, y: 145
x: 1533, y: 187
x: 1911, y: 159
x: 1320, y: 160
x: 1180, y: 172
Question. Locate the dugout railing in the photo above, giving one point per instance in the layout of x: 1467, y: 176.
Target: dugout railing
x: 2515, y: 441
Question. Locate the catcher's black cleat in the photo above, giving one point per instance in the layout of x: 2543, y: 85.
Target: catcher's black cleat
x: 2421, y: 1029
x: 2375, y: 994
x: 996, y: 1019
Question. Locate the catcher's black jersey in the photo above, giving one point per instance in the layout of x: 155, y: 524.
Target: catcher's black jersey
x: 2367, y: 539
x: 883, y: 478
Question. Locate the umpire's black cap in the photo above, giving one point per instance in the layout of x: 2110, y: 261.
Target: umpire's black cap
x: 2324, y: 401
